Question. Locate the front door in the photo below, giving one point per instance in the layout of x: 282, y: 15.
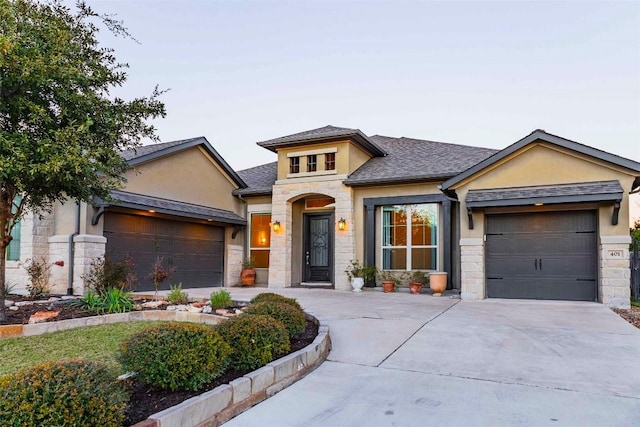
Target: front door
x: 318, y: 248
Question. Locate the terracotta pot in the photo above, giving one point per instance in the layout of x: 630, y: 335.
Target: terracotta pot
x: 387, y: 287
x: 248, y: 277
x: 438, y: 283
x: 415, y: 288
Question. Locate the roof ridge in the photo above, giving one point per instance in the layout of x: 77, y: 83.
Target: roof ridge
x: 398, y: 138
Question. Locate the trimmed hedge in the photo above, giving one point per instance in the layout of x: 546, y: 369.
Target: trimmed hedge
x: 175, y: 356
x: 271, y: 297
x: 291, y: 317
x: 64, y: 393
x: 255, y: 340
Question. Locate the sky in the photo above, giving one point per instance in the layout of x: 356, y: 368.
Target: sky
x: 474, y: 73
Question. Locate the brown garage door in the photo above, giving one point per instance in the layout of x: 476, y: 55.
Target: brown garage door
x: 195, y: 250
x: 550, y: 255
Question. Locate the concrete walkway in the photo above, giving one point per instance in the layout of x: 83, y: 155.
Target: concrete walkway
x: 406, y: 360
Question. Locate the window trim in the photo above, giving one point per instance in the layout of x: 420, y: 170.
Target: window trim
x: 326, y: 162
x: 250, y: 227
x: 312, y: 163
x: 409, y: 246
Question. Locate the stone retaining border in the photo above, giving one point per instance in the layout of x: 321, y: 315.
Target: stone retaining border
x: 224, y: 402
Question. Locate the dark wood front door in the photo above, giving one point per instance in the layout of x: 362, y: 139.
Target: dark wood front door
x: 318, y: 248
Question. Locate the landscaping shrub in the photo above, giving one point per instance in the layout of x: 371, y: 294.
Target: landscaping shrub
x: 270, y: 296
x: 175, y: 356
x: 63, y: 393
x: 114, y: 300
x: 38, y: 272
x: 220, y: 299
x: 176, y: 295
x: 291, y: 317
x: 104, y: 274
x: 255, y: 339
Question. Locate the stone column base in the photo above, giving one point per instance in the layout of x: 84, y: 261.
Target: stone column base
x: 472, y: 269
x: 615, y: 274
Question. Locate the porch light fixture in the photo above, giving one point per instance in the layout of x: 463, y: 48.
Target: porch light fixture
x: 538, y: 204
x: 152, y: 211
x: 342, y: 224
x: 276, y: 226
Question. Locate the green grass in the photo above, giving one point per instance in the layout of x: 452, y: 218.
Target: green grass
x: 92, y: 343
x: 635, y: 303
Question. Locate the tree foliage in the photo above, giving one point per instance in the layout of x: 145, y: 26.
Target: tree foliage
x: 635, y: 231
x: 61, y: 131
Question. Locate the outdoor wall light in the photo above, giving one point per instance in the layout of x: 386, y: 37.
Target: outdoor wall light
x: 342, y: 224
x: 276, y: 226
x: 151, y: 211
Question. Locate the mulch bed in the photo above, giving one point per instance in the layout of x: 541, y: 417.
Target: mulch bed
x: 632, y: 315
x: 144, y: 400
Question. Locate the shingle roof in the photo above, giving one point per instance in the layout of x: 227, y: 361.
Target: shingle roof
x: 172, y: 207
x: 260, y: 179
x: 410, y: 159
x: 153, y: 148
x: 327, y: 133
x: 596, y: 191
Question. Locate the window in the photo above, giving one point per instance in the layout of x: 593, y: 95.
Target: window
x: 294, y: 165
x: 410, y: 237
x: 330, y: 161
x: 312, y: 163
x: 13, y: 250
x: 260, y: 239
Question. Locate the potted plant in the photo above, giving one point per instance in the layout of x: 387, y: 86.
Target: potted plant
x: 390, y: 280
x: 248, y: 274
x: 359, y: 273
x: 438, y: 283
x: 417, y: 279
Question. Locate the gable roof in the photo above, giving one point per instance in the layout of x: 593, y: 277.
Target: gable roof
x: 540, y: 135
x: 259, y: 179
x: 410, y: 159
x: 324, y: 134
x: 146, y: 153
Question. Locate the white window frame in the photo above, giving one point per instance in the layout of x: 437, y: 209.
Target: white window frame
x: 409, y: 246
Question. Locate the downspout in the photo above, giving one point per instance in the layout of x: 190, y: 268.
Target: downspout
x: 72, y: 250
x: 246, y: 212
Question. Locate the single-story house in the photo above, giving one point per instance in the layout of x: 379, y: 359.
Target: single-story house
x: 544, y: 218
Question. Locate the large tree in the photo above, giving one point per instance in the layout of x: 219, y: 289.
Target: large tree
x: 61, y: 131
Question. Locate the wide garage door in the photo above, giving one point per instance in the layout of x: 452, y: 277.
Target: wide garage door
x: 550, y: 255
x: 195, y: 250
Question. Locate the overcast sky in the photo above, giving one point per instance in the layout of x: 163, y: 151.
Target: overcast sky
x: 476, y: 73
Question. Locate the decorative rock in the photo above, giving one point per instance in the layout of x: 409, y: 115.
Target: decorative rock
x: 137, y: 307
x: 238, y: 311
x: 154, y: 304
x: 180, y: 307
x: 207, y: 309
x: 52, y: 299
x: 42, y: 316
x: 199, y: 304
x: 221, y: 311
x: 228, y: 314
x: 193, y: 309
x: 68, y: 297
x: 23, y: 303
x: 8, y: 303
x: 14, y: 308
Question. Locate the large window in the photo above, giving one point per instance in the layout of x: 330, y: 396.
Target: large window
x: 410, y: 237
x: 260, y: 239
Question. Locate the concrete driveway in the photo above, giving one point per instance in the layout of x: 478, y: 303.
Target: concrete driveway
x: 405, y: 360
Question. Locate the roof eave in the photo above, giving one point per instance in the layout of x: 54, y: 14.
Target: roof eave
x: 545, y: 137
x: 359, y: 138
x: 397, y: 180
x: 547, y: 200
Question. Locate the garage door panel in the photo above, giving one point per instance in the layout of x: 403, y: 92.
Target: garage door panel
x: 548, y: 255
x: 195, y: 250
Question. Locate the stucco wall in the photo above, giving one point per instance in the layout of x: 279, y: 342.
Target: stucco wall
x: 190, y: 176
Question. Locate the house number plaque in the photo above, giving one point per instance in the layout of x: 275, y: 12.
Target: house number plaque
x: 616, y: 254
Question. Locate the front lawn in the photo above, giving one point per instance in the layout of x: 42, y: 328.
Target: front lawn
x: 91, y: 342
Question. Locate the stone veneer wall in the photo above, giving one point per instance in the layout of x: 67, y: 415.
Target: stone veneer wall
x: 87, y: 248
x: 233, y: 264
x: 284, y: 194
x: 615, y: 274
x: 472, y: 268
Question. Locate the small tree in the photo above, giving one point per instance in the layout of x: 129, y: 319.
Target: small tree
x: 61, y: 133
x: 159, y: 273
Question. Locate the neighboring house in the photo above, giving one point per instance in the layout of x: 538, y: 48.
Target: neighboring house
x: 545, y: 218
